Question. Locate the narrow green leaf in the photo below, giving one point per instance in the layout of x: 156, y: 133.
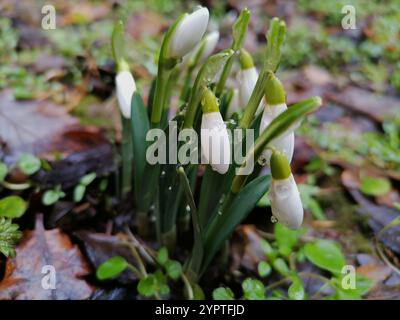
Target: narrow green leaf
x: 239, y: 29
x: 111, y: 268
x: 223, y: 294
x: 29, y: 164
x: 204, y: 78
x: 140, y: 127
x: 222, y: 226
x: 12, y: 207
x: 326, y: 255
x: 278, y: 126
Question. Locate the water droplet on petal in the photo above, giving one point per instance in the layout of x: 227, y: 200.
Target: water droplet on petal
x: 273, y: 219
x: 162, y: 174
x: 169, y: 188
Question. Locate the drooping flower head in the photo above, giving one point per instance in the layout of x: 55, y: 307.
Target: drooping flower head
x: 188, y: 33
x: 215, y: 143
x: 283, y: 194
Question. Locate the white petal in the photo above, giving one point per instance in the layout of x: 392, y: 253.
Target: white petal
x: 211, y: 41
x: 189, y: 32
x: 247, y: 79
x: 215, y: 144
x: 286, y: 203
x: 234, y: 105
x: 285, y: 142
x: 125, y: 88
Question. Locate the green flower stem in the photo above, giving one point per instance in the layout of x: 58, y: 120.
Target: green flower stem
x: 239, y: 29
x: 160, y: 94
x: 278, y: 126
x: 275, y: 37
x: 165, y: 65
x: 207, y: 71
x: 224, y: 76
x: 255, y: 99
x: 127, y: 153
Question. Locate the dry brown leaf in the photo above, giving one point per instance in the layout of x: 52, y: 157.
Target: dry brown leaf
x: 39, y: 248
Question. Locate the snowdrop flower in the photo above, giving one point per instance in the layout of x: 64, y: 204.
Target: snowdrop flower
x: 247, y: 78
x: 276, y: 104
x: 215, y: 143
x: 125, y: 88
x: 284, y: 195
x: 188, y: 33
x: 204, y: 49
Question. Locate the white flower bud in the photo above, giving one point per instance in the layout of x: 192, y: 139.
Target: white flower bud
x: 125, y: 88
x: 188, y: 33
x: 285, y: 142
x: 215, y: 142
x: 207, y: 46
x: 286, y: 203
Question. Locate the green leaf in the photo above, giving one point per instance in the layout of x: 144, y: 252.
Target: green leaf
x: 87, y: 179
x: 111, y: 268
x: 148, y: 286
x: 79, y: 192
x: 3, y: 171
x: 198, y: 293
x: 50, y: 197
x: 326, y: 255
x: 281, y: 266
x: 239, y: 29
x: 140, y: 126
x: 374, y: 186
x: 285, y: 238
x: 275, y: 37
x: 253, y: 289
x: 162, y: 256
x: 277, y: 127
x: 9, y: 235
x: 12, y: 207
x: 267, y: 249
x: 174, y: 269
x: 223, y: 294
x: 29, y: 164
x: 222, y: 226
x: 205, y: 76
x: 264, y: 269
x: 296, y: 289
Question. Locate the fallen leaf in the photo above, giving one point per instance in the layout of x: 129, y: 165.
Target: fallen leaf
x: 25, y: 277
x: 27, y: 126
x: 377, y: 107
x: 100, y: 247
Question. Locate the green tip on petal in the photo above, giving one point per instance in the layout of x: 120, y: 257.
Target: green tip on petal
x: 274, y: 90
x: 209, y: 102
x: 246, y: 61
x: 280, y: 167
